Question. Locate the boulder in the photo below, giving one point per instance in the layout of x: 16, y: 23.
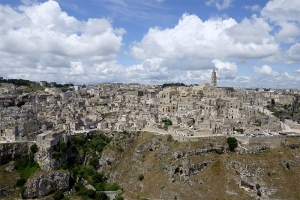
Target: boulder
x: 44, y: 183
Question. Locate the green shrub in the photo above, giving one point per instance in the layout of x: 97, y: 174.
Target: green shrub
x: 119, y: 198
x: 91, y: 193
x: 94, y: 162
x: 20, y: 182
x: 113, y: 187
x: 170, y: 138
x: 141, y: 177
x: 26, y: 166
x: 58, y: 195
x: 100, y: 186
x: 34, y: 148
x: 257, y: 186
x: 101, y: 196
x: 258, y: 193
x: 167, y: 123
x: 97, y: 178
x: 232, y: 143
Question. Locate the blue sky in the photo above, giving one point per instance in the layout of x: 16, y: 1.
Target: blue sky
x: 248, y: 42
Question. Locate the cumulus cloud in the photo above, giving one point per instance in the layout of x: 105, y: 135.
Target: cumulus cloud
x: 220, y: 4
x: 198, y: 42
x: 293, y: 54
x: 226, y: 70
x: 39, y: 37
x: 265, y: 70
x: 282, y: 10
x: 285, y: 14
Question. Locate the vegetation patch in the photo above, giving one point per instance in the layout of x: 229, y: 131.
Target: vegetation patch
x: 232, y: 143
x: 26, y: 166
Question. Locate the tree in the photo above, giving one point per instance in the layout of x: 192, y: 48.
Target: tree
x: 34, y: 148
x: 232, y: 143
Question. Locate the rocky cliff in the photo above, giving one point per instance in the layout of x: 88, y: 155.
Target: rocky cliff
x: 203, y: 169
x: 12, y: 151
x: 47, y: 162
x: 44, y: 183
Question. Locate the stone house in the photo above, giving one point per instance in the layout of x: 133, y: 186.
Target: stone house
x: 51, y: 138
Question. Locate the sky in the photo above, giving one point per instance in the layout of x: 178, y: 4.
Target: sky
x: 249, y: 43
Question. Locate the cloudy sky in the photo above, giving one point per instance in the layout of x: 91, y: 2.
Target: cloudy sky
x: 250, y: 43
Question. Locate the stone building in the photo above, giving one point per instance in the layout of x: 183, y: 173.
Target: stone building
x: 51, y: 138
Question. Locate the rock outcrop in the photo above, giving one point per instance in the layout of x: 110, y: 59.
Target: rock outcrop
x: 46, y: 163
x: 12, y: 151
x: 209, y: 148
x: 183, y: 171
x: 6, y: 192
x: 42, y: 184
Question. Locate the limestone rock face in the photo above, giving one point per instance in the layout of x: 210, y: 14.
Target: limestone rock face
x: 43, y: 183
x: 12, y: 151
x: 46, y: 163
x: 43, y: 158
x: 210, y: 147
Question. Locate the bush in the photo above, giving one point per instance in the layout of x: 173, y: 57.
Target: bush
x: 232, y: 143
x: 78, y: 186
x: 34, y: 148
x: 98, y: 178
x: 26, y: 166
x: 91, y: 193
x: 20, y: 182
x: 58, y: 195
x: 94, y: 162
x: 119, y: 198
x: 257, y: 186
x: 113, y: 187
x: 167, y: 123
x: 101, y: 196
x: 258, y: 193
x: 141, y: 177
x: 170, y: 138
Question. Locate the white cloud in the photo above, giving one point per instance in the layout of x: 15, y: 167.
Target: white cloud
x: 220, y: 4
x: 293, y: 54
x: 254, y: 8
x: 193, y: 43
x: 282, y: 10
x: 226, y: 70
x: 286, y: 15
x: 39, y: 38
x: 265, y: 70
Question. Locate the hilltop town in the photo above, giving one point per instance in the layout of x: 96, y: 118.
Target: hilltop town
x: 106, y: 138
x: 182, y: 111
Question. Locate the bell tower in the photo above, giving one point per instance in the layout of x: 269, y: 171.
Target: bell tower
x: 214, y: 78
